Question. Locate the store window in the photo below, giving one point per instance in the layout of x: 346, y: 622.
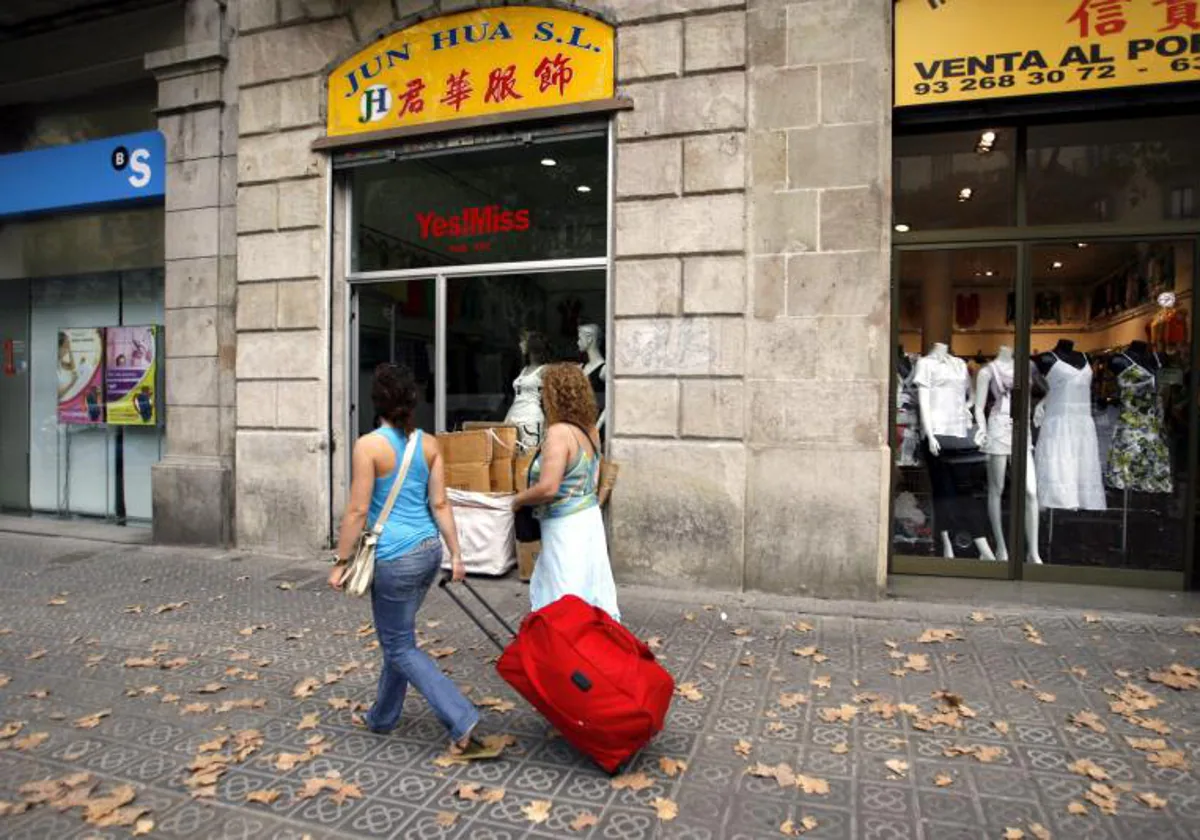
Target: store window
x: 479, y: 267
x: 517, y: 203
x: 955, y: 180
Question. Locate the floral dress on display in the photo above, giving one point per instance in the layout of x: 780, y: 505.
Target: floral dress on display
x: 1138, y: 459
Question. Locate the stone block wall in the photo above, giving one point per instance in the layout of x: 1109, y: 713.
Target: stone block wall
x: 750, y: 285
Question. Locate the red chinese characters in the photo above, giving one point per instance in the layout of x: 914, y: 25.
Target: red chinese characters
x: 458, y: 90
x: 1102, y: 17
x: 412, y: 101
x: 1180, y: 14
x: 554, y: 72
x: 502, y: 85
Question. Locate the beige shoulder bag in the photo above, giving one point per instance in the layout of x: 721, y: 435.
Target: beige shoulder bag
x: 361, y: 571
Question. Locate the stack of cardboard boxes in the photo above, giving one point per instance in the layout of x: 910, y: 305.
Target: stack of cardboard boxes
x: 484, y: 458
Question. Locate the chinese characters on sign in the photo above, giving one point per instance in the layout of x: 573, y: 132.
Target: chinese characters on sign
x: 981, y: 49
x: 480, y: 63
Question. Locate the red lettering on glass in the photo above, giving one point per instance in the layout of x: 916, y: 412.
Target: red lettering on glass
x: 412, y: 102
x: 554, y: 72
x: 458, y: 90
x: 1106, y: 17
x: 1180, y: 13
x: 473, y: 221
x: 502, y: 84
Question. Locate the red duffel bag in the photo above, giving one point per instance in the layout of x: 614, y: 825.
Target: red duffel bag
x: 592, y: 679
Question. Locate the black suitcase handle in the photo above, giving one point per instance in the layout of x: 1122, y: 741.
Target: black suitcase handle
x: 444, y: 584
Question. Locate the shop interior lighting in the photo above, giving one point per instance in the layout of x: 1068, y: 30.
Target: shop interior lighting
x: 549, y: 162
x: 989, y: 273
x: 583, y: 188
x: 987, y: 141
x: 1056, y: 265
x: 902, y: 228
x: 1081, y: 245
x: 965, y: 194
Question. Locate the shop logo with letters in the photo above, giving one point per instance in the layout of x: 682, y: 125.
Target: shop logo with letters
x: 473, y: 221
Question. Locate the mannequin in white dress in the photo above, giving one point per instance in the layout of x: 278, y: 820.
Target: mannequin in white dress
x: 526, y: 410
x: 943, y: 390
x: 595, y: 368
x: 996, y: 380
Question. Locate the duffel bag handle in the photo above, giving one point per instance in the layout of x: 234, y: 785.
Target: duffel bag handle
x: 628, y: 641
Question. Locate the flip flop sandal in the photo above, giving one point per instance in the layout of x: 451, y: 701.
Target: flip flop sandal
x: 475, y: 751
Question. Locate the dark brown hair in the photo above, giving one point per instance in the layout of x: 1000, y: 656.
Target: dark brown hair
x: 395, y: 395
x: 567, y: 396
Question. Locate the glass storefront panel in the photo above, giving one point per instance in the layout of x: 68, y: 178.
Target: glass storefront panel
x: 500, y: 331
x: 542, y: 200
x: 396, y: 324
x: 953, y: 383
x: 962, y: 179
x: 1121, y: 172
x: 1110, y: 347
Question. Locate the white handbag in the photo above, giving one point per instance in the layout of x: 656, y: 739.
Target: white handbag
x: 358, y: 576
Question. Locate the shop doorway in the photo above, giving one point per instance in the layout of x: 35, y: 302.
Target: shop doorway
x: 1052, y: 284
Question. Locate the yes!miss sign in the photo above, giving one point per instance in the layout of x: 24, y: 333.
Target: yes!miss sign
x: 480, y: 63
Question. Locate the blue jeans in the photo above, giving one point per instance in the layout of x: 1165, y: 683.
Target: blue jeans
x: 399, y: 587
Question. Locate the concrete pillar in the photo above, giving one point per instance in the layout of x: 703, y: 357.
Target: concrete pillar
x: 937, y: 300
x: 192, y: 485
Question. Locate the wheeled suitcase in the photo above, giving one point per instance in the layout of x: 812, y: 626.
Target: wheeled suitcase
x: 592, y: 679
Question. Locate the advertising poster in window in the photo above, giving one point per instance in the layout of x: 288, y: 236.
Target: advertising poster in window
x: 130, y: 386
x: 80, y: 376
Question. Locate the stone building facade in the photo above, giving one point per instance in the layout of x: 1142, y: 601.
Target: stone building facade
x: 749, y: 284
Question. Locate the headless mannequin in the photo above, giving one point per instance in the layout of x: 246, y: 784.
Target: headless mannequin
x: 997, y: 467
x: 526, y: 410
x: 1063, y: 351
x: 941, y: 352
x: 595, y: 368
x: 1138, y: 352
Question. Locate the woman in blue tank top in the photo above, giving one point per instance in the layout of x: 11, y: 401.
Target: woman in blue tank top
x: 408, y: 557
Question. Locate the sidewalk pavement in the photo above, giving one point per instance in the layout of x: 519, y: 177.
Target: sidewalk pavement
x: 175, y: 673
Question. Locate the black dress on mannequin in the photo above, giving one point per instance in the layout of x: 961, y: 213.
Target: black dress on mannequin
x: 1139, y: 353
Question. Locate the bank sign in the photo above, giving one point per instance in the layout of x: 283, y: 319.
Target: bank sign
x: 129, y: 167
x: 474, y: 64
x: 965, y: 50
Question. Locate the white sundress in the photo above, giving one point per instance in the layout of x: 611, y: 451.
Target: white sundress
x: 1067, y: 456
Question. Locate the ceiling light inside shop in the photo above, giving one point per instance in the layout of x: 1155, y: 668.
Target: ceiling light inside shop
x: 549, y: 162
x: 583, y: 188
x: 1081, y: 245
x: 965, y: 194
x: 987, y: 141
x: 1056, y: 265
x: 902, y: 228
x: 990, y: 273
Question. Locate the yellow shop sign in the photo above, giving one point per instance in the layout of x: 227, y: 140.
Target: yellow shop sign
x: 474, y: 64
x: 963, y: 50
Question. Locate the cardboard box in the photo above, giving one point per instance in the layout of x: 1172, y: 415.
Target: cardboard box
x: 466, y: 447
x: 502, y: 475
x: 504, y: 444
x: 475, y: 478
x: 527, y: 558
x: 521, y: 472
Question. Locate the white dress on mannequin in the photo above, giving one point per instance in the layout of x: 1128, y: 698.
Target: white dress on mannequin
x: 1068, y: 451
x: 526, y: 410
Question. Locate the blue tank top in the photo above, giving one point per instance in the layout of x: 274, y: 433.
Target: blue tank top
x: 410, y: 522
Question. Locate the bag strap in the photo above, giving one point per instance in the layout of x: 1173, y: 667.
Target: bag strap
x: 405, y: 463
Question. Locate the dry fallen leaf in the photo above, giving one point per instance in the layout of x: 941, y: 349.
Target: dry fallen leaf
x: 1001, y: 726
x: 1013, y: 834
x: 445, y: 819
x: 344, y: 793
x: 56, y: 602
x: 792, y: 699
x: 933, y: 636
x: 688, y: 691
x: 210, y: 688
x: 981, y: 617
x: 1152, y: 800
x: 840, y: 748
x: 1076, y: 809
x: 442, y: 652
x: 584, y: 820
x: 1045, y: 697
x: 195, y: 708
x: 811, y: 785
x: 1091, y: 618
x: 631, y: 781
x: 162, y: 608
x: 1147, y: 744
x: 31, y: 741
x: 1039, y: 831
x: 309, y: 721
x: 897, y: 766
x: 1089, y: 720
x: 1103, y: 797
x: 802, y: 627
x: 262, y: 797
x: 1032, y: 635
x: 667, y: 809
x: 823, y: 681
x: 918, y: 662
x: 37, y: 654
x: 843, y: 714
x: 143, y: 826
x: 943, y: 780
x: 1170, y: 759
x: 790, y: 828
x: 496, y: 704
x: 91, y: 721
x: 1089, y: 768
x: 743, y: 747
x: 672, y: 767
x: 537, y: 811
x: 1178, y: 677
x: 306, y: 687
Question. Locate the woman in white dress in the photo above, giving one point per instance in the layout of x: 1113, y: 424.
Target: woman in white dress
x: 526, y: 410
x: 564, y: 480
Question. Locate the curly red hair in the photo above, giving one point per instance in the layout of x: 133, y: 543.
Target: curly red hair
x: 567, y: 396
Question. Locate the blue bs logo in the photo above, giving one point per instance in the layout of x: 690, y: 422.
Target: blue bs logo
x: 375, y: 103
x: 136, y: 161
